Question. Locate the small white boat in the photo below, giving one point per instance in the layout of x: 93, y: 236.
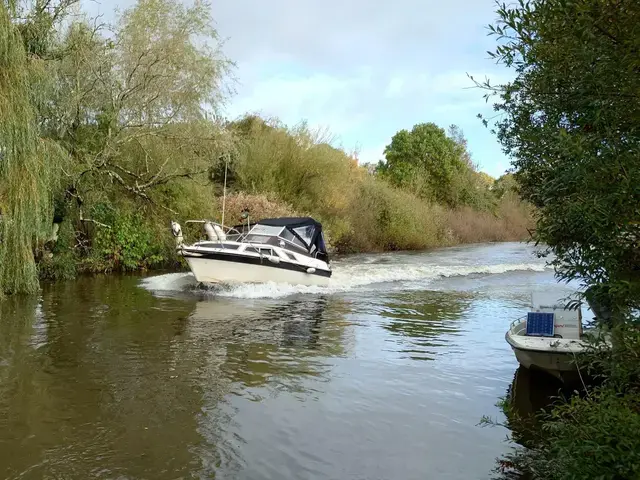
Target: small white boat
x: 282, y: 250
x: 549, y: 337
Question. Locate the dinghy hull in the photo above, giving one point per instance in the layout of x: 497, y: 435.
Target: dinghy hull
x: 548, y: 361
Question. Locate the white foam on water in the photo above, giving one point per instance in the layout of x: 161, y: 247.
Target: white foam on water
x: 367, y: 276
x: 169, y: 282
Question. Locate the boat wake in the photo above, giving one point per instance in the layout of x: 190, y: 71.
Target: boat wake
x: 346, y: 277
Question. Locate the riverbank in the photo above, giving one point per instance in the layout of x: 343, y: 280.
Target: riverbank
x: 128, y: 236
x: 272, y: 171
x: 107, y: 141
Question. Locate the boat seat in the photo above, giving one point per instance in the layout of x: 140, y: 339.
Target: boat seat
x: 540, y: 324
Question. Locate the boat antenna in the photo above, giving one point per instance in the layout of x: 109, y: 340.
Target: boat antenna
x: 224, y: 188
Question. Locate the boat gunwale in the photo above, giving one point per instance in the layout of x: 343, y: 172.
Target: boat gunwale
x: 568, y: 343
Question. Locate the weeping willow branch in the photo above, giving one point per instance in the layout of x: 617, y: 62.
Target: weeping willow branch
x: 29, y: 167
x: 135, y: 190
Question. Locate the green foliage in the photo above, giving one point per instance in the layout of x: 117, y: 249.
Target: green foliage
x: 602, y: 428
x: 436, y: 167
x: 505, y: 185
x: 571, y: 120
x: 37, y: 20
x: 30, y: 168
x: 592, y: 437
x: 131, y: 108
x: 128, y: 245
x: 61, y: 263
x: 425, y: 161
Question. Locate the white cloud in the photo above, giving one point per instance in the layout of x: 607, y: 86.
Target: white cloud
x: 363, y: 69
x: 335, y: 35
x: 322, y: 99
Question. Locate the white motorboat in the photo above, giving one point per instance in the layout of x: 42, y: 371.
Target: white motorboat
x: 282, y: 250
x: 549, y: 337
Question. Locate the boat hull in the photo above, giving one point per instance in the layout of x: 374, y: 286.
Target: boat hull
x: 552, y: 355
x: 549, y: 361
x: 209, y: 270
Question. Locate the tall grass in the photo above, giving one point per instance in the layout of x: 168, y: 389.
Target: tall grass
x: 509, y: 221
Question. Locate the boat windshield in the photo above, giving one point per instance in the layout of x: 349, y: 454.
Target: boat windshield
x: 306, y: 233
x: 266, y: 230
x: 288, y: 235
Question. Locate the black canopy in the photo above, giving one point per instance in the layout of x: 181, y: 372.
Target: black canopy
x: 291, y: 222
x: 317, y: 239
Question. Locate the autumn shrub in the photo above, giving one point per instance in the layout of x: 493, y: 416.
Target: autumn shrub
x: 382, y: 217
x: 126, y: 243
x: 299, y: 167
x: 298, y: 164
x: 509, y: 221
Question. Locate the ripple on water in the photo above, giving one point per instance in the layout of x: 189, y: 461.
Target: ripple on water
x: 385, y: 374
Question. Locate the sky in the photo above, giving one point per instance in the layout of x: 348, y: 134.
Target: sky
x: 361, y: 69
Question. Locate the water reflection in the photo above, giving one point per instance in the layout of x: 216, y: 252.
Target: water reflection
x: 276, y: 344
x: 100, y: 378
x: 530, y: 394
x: 95, y: 387
x: 425, y: 319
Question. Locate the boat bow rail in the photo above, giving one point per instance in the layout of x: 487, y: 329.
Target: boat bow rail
x: 519, y: 325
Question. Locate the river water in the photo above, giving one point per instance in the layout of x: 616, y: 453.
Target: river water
x: 383, y: 375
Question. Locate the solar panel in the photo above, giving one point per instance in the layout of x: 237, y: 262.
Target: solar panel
x: 540, y: 324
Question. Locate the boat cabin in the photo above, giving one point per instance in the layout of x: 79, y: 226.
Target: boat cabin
x: 301, y: 235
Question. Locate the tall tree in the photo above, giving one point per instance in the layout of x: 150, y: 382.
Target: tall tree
x: 457, y: 135
x: 136, y: 107
x: 424, y: 160
x: 571, y: 121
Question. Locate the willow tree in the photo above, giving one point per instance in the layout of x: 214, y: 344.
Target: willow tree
x: 29, y: 166
x: 135, y: 107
